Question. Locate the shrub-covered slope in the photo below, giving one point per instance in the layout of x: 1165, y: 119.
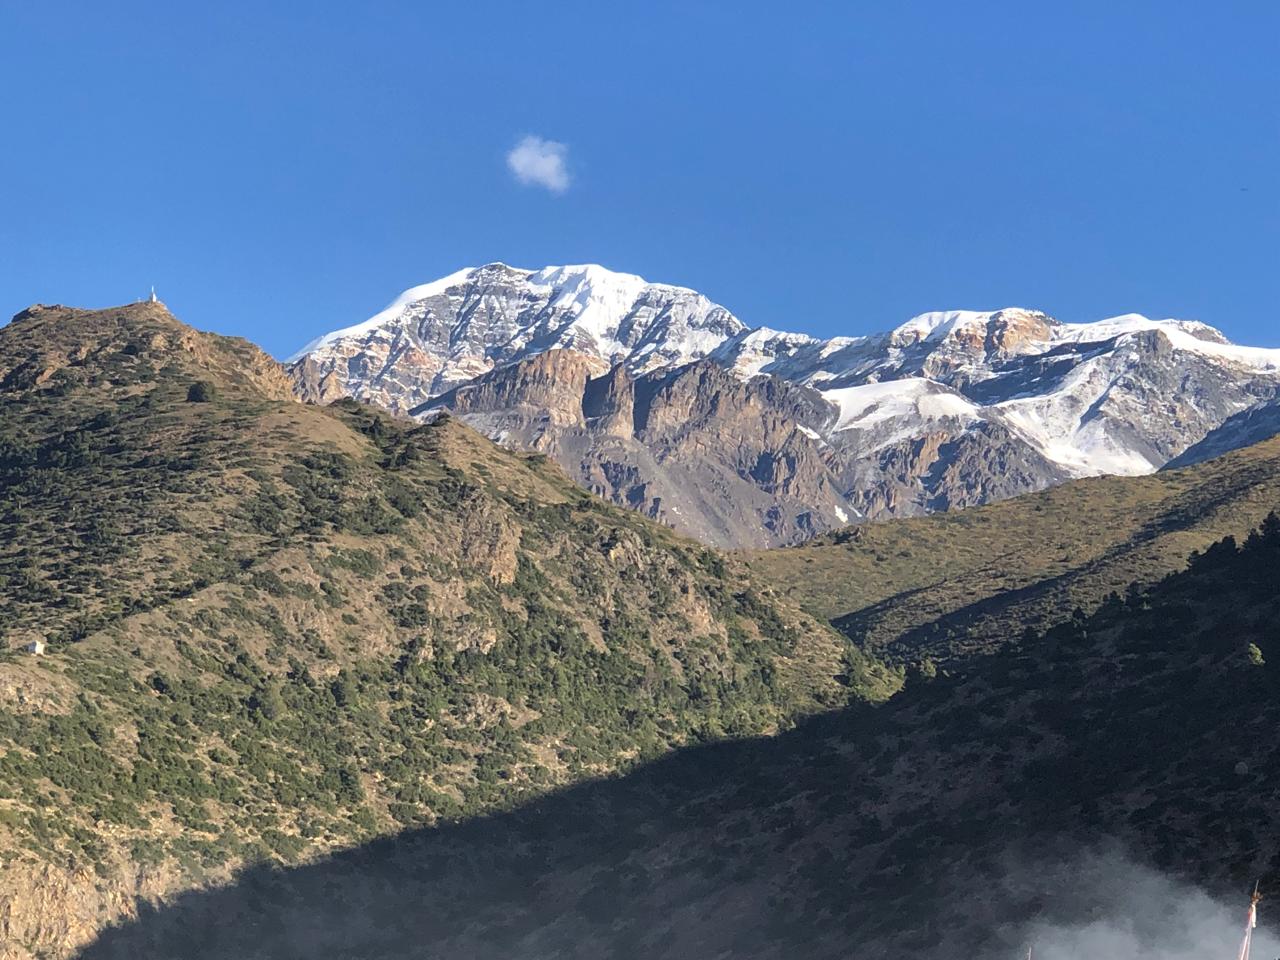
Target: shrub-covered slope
x: 276, y: 629
x: 958, y: 821
x: 950, y: 585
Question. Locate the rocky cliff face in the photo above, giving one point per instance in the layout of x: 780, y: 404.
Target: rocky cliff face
x: 666, y: 402
x: 1254, y: 425
x: 697, y: 447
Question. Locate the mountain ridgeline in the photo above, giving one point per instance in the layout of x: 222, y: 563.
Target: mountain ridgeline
x: 657, y: 398
x: 275, y: 630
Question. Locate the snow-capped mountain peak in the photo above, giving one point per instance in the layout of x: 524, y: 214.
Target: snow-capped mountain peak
x: 478, y: 318
x: 1010, y: 330
x: 950, y: 408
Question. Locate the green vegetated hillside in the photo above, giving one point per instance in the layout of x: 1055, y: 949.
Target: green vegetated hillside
x: 949, y: 585
x: 277, y: 630
x: 971, y: 816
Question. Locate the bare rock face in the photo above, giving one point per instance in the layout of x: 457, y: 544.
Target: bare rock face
x: 61, y: 908
x: 1253, y: 425
x: 548, y: 384
x: 609, y: 402
x: 659, y: 399
x: 318, y: 383
x: 696, y: 447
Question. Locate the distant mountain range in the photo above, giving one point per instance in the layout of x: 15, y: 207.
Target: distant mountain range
x: 659, y: 399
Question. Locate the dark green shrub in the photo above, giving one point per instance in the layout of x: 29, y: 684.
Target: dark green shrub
x: 202, y: 391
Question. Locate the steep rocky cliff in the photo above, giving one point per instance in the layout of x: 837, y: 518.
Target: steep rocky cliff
x: 723, y: 459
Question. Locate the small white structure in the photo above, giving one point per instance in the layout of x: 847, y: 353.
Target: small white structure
x: 154, y: 298
x: 35, y: 646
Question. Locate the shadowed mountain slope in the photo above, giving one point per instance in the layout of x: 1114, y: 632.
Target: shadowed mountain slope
x: 959, y: 821
x: 1253, y: 425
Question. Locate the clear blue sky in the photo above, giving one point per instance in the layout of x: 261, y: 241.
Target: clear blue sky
x: 280, y: 169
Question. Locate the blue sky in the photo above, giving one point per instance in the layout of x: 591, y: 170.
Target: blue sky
x: 281, y: 169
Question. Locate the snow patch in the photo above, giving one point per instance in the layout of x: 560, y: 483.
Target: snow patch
x: 1189, y: 335
x: 911, y: 399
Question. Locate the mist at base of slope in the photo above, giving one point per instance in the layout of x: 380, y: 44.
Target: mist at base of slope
x: 1104, y: 906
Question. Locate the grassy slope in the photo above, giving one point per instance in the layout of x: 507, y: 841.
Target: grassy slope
x: 951, y: 584
x: 941, y: 825
x: 278, y: 629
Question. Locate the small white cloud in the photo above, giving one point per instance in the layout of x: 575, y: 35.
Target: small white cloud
x: 541, y: 163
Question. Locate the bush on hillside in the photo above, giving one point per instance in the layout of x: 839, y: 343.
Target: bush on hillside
x: 202, y: 391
